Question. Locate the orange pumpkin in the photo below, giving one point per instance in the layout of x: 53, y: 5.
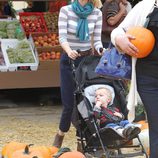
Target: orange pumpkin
x: 28, y: 153
x: 144, y: 124
x: 11, y: 147
x: 72, y: 154
x: 46, y: 151
x: 53, y: 150
x: 144, y: 40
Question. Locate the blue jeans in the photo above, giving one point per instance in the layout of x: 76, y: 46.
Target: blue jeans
x: 148, y: 91
x: 67, y: 86
x: 124, y: 123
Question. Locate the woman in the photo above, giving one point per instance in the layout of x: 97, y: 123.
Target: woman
x: 146, y: 68
x: 78, y: 22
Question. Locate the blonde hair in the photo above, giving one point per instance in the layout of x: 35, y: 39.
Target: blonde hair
x: 96, y: 3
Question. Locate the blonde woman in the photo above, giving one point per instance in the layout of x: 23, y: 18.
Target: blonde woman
x: 77, y: 23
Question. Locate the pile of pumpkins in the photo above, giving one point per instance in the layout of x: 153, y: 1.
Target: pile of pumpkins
x: 22, y: 150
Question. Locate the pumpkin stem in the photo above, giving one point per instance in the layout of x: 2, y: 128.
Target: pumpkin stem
x: 34, y: 157
x: 26, y: 150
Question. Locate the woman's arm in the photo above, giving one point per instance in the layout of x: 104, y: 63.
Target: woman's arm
x: 118, y: 37
x: 115, y: 16
x: 62, y: 27
x: 97, y: 32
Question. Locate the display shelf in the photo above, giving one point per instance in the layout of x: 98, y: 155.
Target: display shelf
x: 47, y: 75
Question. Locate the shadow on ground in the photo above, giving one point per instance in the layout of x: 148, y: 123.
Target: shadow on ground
x: 30, y: 97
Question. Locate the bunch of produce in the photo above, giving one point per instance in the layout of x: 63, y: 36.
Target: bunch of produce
x: 21, y: 53
x: 33, y: 23
x: 46, y: 40
x: 49, y: 55
x: 11, y: 29
x: 51, y: 20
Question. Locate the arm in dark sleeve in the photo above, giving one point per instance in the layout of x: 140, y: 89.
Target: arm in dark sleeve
x: 114, y: 14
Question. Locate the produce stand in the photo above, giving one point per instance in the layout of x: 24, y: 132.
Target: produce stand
x: 48, y: 56
x: 47, y: 75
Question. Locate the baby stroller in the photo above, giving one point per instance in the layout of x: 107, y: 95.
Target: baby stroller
x: 92, y: 139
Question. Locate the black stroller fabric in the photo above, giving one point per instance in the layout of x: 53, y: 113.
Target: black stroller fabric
x: 86, y: 76
x: 90, y: 135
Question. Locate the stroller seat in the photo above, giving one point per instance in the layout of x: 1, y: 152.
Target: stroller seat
x: 90, y: 135
x: 108, y: 134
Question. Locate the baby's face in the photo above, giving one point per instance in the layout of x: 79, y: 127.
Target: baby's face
x: 103, y: 96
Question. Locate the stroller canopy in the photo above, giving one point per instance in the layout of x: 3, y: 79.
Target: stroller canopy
x: 86, y: 76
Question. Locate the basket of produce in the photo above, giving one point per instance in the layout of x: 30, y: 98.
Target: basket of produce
x: 49, y: 39
x: 51, y: 20
x: 56, y: 5
x: 19, y: 55
x: 11, y: 29
x: 32, y: 22
x: 46, y: 54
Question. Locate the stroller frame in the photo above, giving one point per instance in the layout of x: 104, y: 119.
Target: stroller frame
x: 109, y: 151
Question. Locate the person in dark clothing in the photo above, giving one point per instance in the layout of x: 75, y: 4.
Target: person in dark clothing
x: 110, y: 116
x: 146, y: 68
x: 114, y: 11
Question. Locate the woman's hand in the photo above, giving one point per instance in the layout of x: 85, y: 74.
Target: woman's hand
x: 124, y: 45
x: 101, y: 51
x: 73, y: 54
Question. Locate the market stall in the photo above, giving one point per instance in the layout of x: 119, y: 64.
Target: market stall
x: 30, y: 52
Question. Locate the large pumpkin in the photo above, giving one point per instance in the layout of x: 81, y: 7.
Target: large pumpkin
x: 144, y: 40
x: 72, y: 154
x: 46, y: 151
x: 11, y: 147
x: 28, y: 153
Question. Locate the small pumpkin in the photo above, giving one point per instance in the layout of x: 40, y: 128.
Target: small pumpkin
x: 28, y: 153
x: 144, y: 124
x: 11, y: 147
x: 72, y: 154
x: 144, y: 40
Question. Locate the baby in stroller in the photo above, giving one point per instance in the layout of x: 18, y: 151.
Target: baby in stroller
x: 94, y: 135
x: 111, y: 117
x: 109, y: 129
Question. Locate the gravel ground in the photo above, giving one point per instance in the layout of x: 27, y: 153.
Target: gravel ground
x: 28, y: 118
x: 32, y: 125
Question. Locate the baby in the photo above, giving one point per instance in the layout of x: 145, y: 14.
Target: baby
x: 110, y: 116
